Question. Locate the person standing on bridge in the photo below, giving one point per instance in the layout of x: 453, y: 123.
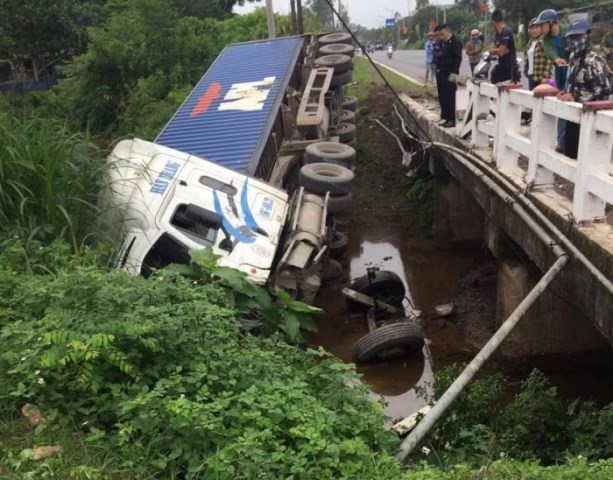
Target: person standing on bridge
x: 587, y: 78
x: 504, y: 49
x: 474, y: 49
x: 429, y: 49
x: 448, y: 63
x: 537, y: 66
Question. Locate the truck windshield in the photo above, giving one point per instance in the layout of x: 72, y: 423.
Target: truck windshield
x: 165, y: 251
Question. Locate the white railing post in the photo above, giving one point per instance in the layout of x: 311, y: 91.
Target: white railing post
x: 481, y: 110
x: 508, y: 119
x: 542, y: 135
x: 593, y: 158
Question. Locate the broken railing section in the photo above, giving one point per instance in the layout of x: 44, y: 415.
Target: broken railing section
x: 590, y: 173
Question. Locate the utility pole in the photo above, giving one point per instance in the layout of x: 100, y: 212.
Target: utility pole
x: 270, y: 19
x: 299, y: 15
x: 292, y: 5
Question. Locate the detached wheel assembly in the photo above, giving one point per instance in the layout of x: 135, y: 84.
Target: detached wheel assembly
x: 388, y: 341
x: 385, y: 286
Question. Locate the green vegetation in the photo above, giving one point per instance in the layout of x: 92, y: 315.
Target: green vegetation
x: 195, y: 373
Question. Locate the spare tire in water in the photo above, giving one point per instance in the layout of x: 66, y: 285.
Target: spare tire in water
x: 340, y: 63
x: 337, y: 37
x: 336, y: 48
x: 389, y: 341
x: 321, y: 178
x: 384, y: 285
x: 329, y: 152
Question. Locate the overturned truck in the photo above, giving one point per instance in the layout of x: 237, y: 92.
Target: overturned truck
x: 254, y: 164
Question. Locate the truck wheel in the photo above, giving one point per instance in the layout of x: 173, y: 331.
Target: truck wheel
x: 320, y: 178
x: 340, y: 63
x: 345, y: 132
x: 329, y: 152
x: 338, y: 245
x: 349, y: 103
x: 385, y: 286
x: 389, y: 341
x: 353, y: 144
x: 337, y: 48
x: 337, y: 37
x: 339, y: 79
x: 347, y: 116
x: 340, y: 203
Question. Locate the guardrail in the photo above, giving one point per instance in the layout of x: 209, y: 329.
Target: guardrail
x: 513, y: 143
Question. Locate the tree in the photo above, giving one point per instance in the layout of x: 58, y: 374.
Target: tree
x: 208, y: 8
x: 46, y: 32
x: 321, y: 11
x: 421, y: 4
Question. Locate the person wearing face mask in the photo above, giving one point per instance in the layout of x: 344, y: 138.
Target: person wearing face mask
x: 474, y: 48
x: 587, y: 78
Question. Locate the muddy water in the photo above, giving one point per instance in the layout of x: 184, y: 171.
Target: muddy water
x: 430, y: 278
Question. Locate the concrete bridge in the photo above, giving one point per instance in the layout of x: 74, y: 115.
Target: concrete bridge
x: 500, y: 182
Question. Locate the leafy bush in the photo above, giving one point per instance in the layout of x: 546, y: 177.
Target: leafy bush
x: 159, y: 368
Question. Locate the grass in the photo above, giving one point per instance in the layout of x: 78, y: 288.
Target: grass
x: 49, y: 179
x: 364, y: 75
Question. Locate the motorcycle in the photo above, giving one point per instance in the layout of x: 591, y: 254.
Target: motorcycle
x: 390, y: 52
x: 481, y: 72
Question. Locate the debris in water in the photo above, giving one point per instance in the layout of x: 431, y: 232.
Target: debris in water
x: 444, y: 310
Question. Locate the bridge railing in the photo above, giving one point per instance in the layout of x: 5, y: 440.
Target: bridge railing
x: 496, y: 112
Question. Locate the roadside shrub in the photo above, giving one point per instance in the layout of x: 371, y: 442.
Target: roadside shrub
x: 158, y: 369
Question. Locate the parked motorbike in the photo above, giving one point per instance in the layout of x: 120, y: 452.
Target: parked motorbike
x: 483, y: 69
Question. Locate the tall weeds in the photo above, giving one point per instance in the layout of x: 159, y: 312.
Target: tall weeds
x: 49, y: 180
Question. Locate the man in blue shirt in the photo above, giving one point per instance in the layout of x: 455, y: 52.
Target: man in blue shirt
x: 430, y: 65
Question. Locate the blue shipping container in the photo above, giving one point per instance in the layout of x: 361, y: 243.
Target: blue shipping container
x: 229, y: 115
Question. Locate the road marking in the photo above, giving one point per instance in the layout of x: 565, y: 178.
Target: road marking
x: 406, y: 77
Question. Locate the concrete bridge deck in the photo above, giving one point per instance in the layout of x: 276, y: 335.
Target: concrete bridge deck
x: 577, y: 202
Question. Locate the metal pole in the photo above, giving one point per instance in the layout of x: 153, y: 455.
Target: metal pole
x: 292, y: 5
x: 270, y: 19
x: 299, y: 17
x: 422, y: 429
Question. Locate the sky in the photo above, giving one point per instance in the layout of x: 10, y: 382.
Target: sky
x: 369, y: 13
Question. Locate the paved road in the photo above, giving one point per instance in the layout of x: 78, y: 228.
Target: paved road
x: 412, y: 63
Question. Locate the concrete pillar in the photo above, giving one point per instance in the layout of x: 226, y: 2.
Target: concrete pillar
x: 458, y: 219
x: 552, y: 335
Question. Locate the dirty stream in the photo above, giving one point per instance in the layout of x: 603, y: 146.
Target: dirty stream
x: 430, y: 277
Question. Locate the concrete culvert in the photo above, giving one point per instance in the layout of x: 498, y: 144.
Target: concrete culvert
x: 336, y: 37
x: 388, y: 341
x: 337, y: 48
x: 340, y: 63
x: 329, y: 152
x: 321, y: 178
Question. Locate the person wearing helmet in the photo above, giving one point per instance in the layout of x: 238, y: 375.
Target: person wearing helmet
x: 587, y: 78
x: 553, y: 46
x: 474, y: 48
x: 504, y: 49
x: 430, y: 64
x: 537, y: 66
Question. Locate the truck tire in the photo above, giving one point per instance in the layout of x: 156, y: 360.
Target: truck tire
x: 329, y: 152
x: 320, y: 178
x: 388, y: 341
x: 345, y: 132
x: 338, y: 246
x: 337, y: 37
x: 340, y: 63
x: 353, y: 144
x: 385, y: 286
x: 340, y: 79
x: 337, y: 48
x: 349, y: 103
x: 340, y: 203
x: 347, y: 116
